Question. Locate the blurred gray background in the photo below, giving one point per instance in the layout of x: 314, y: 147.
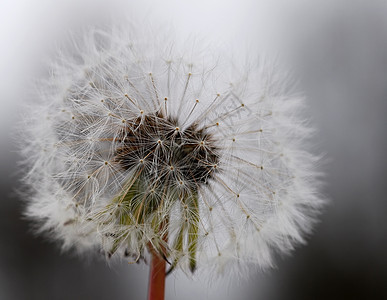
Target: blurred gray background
x: 338, y: 50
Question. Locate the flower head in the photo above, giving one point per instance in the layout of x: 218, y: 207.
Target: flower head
x: 137, y: 146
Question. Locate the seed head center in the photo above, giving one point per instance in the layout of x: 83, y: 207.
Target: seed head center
x: 179, y: 154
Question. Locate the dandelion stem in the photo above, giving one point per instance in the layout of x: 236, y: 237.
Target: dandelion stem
x: 156, y: 277
x: 157, y: 266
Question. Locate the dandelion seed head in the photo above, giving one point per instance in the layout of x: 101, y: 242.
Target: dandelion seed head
x: 138, y: 143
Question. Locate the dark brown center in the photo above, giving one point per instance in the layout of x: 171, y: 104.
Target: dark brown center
x: 167, y: 155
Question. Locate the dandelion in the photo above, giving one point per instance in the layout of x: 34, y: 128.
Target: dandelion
x: 138, y: 148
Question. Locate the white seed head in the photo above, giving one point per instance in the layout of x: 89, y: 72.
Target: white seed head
x: 123, y: 156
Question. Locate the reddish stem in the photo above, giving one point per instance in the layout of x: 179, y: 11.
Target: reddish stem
x: 156, y: 277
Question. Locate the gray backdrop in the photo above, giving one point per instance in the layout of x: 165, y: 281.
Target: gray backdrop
x: 338, y: 50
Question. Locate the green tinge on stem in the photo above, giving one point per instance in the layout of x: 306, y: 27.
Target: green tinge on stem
x: 193, y: 230
x: 189, y: 228
x: 140, y: 209
x: 178, y: 246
